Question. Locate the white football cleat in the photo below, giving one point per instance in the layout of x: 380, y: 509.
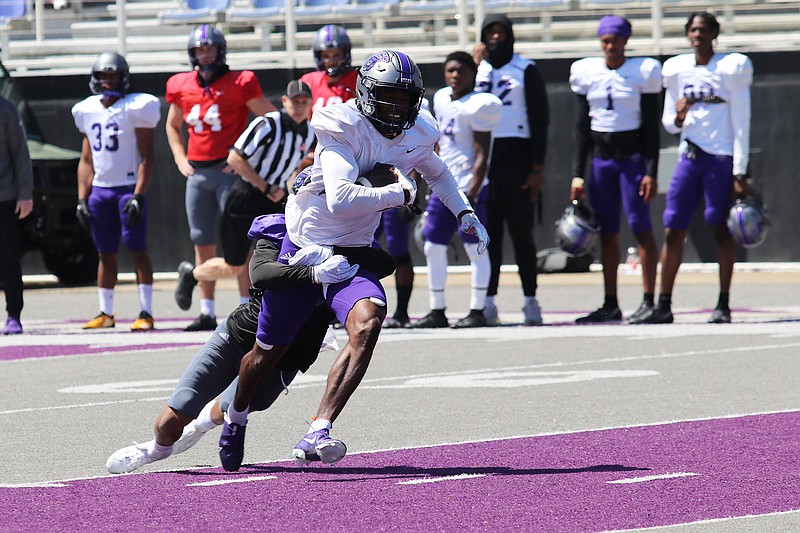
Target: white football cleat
x: 130, y: 458
x: 191, y: 435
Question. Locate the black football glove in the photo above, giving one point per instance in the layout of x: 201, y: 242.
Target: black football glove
x: 134, y: 209
x: 83, y: 215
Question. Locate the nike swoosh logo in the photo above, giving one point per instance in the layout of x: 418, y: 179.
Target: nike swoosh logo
x: 409, y: 151
x: 310, y: 441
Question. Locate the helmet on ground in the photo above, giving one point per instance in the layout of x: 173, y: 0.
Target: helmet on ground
x: 206, y: 35
x: 748, y: 222
x: 329, y: 37
x: 110, y: 62
x: 383, y: 72
x: 576, y: 231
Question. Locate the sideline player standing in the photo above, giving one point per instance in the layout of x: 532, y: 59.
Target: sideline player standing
x: 617, y: 117
x: 334, y: 81
x: 114, y: 172
x: 708, y: 102
x: 516, y: 174
x: 466, y: 119
x: 214, y: 102
x: 265, y: 155
x: 383, y: 124
x: 16, y: 203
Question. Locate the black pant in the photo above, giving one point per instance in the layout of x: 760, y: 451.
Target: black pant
x: 245, y: 202
x: 508, y: 202
x: 9, y: 258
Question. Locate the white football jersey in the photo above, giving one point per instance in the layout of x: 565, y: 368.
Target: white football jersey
x: 458, y: 120
x: 614, y: 95
x: 508, y: 84
x: 331, y: 209
x: 719, y: 127
x: 111, y: 132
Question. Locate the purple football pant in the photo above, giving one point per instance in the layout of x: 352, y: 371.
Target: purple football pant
x: 283, y: 312
x: 397, y: 232
x: 616, y: 182
x: 441, y: 223
x: 109, y: 223
x: 707, y: 176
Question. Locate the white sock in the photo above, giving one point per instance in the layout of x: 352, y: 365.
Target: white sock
x: 319, y: 423
x: 157, y: 451
x: 146, y: 298
x: 106, y: 297
x: 235, y: 417
x: 481, y: 271
x: 243, y: 299
x: 207, y: 307
x: 204, y: 421
x: 436, y: 257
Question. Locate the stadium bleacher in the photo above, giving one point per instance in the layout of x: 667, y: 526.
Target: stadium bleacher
x: 38, y: 39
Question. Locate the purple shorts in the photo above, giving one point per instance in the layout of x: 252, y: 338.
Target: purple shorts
x: 109, y: 223
x: 707, y: 176
x: 397, y: 232
x: 441, y: 223
x: 616, y: 181
x: 283, y: 312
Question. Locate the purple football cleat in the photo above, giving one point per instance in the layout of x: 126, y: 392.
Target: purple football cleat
x: 231, y: 446
x: 13, y: 326
x: 318, y: 446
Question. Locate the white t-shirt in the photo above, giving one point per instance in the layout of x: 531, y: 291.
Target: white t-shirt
x: 458, y: 120
x: 332, y: 209
x: 614, y: 95
x: 111, y: 132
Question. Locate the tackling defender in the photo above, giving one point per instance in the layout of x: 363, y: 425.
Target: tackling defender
x: 114, y: 172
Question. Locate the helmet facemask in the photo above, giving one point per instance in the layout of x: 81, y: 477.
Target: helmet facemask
x: 110, y: 63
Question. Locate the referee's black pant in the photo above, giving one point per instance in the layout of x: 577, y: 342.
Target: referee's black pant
x: 509, y: 202
x: 9, y: 258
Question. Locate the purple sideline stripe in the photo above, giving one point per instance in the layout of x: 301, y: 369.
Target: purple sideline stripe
x: 10, y: 353
x: 744, y: 466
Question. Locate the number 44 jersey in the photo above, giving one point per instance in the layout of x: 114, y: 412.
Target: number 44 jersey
x: 111, y: 133
x: 216, y: 114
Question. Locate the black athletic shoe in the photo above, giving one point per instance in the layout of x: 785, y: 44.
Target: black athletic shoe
x: 720, y: 316
x: 434, y: 319
x: 202, y: 323
x: 396, y: 322
x: 474, y: 319
x: 604, y: 314
x: 185, y: 287
x: 642, y: 314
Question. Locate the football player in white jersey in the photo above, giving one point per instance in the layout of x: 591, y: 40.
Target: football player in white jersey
x: 466, y: 119
x: 516, y: 173
x: 618, y: 119
x: 114, y: 172
x: 708, y: 102
x: 383, y: 124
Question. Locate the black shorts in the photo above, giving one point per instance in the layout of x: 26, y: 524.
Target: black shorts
x: 244, y: 203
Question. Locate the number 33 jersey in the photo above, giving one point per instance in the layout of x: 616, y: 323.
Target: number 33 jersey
x: 111, y: 133
x: 215, y: 115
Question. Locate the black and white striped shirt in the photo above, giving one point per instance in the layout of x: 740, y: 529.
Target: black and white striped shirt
x: 274, y: 144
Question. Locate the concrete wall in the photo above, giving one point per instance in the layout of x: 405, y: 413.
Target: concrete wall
x: 775, y: 140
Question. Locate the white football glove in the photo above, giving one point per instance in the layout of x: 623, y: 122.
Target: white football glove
x: 408, y: 184
x: 470, y: 224
x: 311, y: 255
x: 333, y: 270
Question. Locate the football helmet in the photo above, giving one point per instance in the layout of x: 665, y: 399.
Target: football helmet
x: 110, y: 62
x: 576, y: 231
x: 328, y: 37
x: 748, y: 222
x: 205, y: 35
x: 384, y: 71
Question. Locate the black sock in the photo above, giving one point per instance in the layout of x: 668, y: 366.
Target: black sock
x: 722, y: 303
x: 649, y: 298
x: 403, y: 297
x: 665, y: 301
x: 610, y: 302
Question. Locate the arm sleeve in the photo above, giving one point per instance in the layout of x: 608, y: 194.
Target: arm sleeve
x: 267, y: 273
x: 581, y: 135
x: 739, y: 82
x: 538, y: 112
x: 650, y: 131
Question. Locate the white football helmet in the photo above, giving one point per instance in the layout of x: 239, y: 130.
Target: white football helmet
x: 748, y: 222
x: 576, y: 231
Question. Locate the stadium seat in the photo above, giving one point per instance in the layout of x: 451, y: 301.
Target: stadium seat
x: 317, y: 8
x: 196, y: 12
x: 10, y: 11
x: 261, y: 13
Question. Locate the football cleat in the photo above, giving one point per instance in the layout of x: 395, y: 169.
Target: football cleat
x: 231, y: 446
x: 435, y: 319
x: 185, y: 287
x: 490, y: 314
x: 396, y: 322
x: 13, y: 326
x: 130, y: 458
x: 645, y: 310
x: 474, y: 319
x: 100, y: 321
x: 720, y: 316
x: 654, y: 315
x: 600, y: 315
x: 202, y: 323
x: 319, y: 446
x: 533, y: 313
x: 191, y: 435
x: 143, y: 323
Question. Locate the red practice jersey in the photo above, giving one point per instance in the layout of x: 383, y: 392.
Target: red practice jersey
x: 325, y: 94
x: 215, y: 117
